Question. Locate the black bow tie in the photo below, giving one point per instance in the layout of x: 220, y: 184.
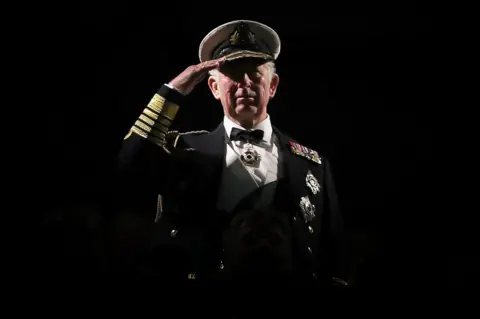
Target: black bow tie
x: 246, y: 136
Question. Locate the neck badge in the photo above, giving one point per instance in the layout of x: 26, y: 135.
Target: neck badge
x: 249, y: 155
x: 312, y: 183
x: 306, y: 152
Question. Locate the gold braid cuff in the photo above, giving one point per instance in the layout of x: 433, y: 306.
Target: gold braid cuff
x: 155, y: 120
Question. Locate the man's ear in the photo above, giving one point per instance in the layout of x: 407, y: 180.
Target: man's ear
x: 213, y: 85
x: 274, y: 85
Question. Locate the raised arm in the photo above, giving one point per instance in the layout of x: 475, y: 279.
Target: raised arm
x: 146, y: 152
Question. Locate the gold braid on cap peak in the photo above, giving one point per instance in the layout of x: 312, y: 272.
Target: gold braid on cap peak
x: 155, y: 120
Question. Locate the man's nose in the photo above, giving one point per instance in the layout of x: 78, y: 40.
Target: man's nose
x: 245, y: 80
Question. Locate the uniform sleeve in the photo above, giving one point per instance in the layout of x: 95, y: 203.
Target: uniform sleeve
x: 339, y: 244
x: 145, y: 154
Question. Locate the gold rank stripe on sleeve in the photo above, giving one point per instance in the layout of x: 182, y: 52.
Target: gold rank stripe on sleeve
x: 156, y: 119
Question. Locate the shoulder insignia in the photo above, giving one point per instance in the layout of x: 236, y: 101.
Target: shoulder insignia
x: 306, y: 152
x: 200, y: 132
x: 172, y: 138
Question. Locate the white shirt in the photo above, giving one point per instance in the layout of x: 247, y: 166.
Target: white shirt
x: 238, y: 179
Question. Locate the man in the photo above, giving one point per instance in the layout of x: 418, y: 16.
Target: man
x: 243, y: 201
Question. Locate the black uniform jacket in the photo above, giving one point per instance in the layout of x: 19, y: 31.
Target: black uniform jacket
x: 177, y: 187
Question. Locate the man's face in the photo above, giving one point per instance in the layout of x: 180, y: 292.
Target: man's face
x: 244, y: 87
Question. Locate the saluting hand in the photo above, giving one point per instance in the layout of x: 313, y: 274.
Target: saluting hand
x: 186, y: 81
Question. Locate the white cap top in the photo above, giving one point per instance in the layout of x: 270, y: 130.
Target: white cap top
x: 240, y: 39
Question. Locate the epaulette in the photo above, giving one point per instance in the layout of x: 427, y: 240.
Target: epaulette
x: 306, y: 152
x: 172, y: 138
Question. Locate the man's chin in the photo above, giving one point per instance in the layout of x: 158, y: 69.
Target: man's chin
x: 246, y: 109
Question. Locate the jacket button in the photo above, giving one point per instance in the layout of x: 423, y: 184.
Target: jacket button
x: 173, y: 233
x: 309, y: 249
x: 310, y: 229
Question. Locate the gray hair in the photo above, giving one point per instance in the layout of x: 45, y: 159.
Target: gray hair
x: 271, y: 69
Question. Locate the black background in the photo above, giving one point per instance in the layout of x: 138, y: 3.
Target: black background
x: 354, y: 85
